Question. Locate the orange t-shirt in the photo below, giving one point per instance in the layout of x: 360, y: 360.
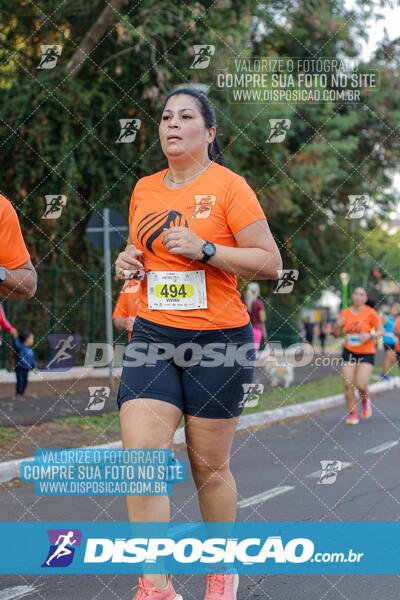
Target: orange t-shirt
x: 363, y: 322
x: 13, y: 252
x: 397, y: 326
x: 215, y: 205
x: 128, y: 302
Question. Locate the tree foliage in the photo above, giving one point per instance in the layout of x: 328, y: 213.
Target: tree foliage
x: 59, y: 128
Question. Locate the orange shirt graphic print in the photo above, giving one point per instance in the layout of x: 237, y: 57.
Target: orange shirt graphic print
x: 204, y: 204
x: 153, y: 224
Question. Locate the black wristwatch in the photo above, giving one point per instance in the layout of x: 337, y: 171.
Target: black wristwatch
x: 208, y: 251
x: 3, y: 274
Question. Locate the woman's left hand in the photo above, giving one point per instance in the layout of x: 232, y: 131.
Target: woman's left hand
x: 365, y: 337
x: 182, y: 240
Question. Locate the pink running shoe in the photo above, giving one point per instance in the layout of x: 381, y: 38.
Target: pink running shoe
x: 366, y: 410
x: 352, y: 419
x: 221, y: 586
x: 147, y: 591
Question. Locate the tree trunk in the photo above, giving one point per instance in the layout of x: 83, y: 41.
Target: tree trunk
x: 103, y: 24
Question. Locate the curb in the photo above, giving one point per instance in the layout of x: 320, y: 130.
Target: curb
x: 10, y: 469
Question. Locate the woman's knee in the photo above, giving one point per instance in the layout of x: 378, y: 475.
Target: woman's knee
x: 348, y: 385
x: 362, y: 388
x: 209, y: 471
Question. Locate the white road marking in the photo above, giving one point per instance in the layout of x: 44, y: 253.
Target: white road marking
x: 317, y: 474
x: 382, y: 447
x: 18, y: 591
x: 267, y: 495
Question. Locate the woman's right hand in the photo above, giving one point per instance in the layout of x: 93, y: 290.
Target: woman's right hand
x: 129, y: 323
x: 129, y: 263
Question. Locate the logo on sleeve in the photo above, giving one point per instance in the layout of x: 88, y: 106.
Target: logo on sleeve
x: 152, y: 226
x: 62, y: 547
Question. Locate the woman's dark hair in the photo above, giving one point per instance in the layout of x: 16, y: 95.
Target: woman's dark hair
x: 361, y: 287
x: 208, y: 113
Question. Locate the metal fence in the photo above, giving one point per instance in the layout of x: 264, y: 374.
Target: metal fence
x: 66, y: 301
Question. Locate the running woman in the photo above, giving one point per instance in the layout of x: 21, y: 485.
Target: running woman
x: 359, y: 323
x: 193, y: 228
x: 389, y: 339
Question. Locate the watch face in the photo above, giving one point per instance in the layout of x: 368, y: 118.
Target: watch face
x: 209, y: 249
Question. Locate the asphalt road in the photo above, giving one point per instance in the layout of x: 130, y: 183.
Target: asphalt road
x: 69, y: 398
x: 263, y: 460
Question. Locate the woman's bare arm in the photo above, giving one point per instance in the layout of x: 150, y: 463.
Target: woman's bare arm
x: 20, y: 283
x: 256, y: 257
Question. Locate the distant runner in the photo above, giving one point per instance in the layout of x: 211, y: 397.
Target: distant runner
x: 389, y: 339
x: 362, y: 325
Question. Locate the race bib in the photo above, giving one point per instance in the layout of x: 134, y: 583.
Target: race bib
x: 176, y: 290
x: 353, y: 339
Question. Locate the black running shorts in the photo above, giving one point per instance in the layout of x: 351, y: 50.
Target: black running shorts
x: 349, y: 356
x: 204, y: 373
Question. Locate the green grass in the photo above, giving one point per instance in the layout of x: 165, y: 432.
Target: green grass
x: 7, y: 434
x: 296, y: 394
x: 98, y: 423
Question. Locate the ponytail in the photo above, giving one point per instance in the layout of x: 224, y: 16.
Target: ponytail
x: 215, y: 153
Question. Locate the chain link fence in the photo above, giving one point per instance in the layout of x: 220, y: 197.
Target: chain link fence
x: 66, y: 301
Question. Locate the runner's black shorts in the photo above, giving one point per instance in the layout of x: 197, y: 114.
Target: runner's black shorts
x: 398, y: 357
x: 349, y: 356
x: 204, y: 373
x: 388, y: 346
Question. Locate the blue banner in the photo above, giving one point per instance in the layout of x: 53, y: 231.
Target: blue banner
x: 103, y: 472
x: 256, y: 547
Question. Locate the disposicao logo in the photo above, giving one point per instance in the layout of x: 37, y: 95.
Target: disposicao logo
x: 190, y: 550
x: 62, y: 547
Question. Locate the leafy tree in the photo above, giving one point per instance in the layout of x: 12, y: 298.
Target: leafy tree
x: 118, y: 60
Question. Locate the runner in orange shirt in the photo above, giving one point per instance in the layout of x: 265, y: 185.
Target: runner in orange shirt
x: 361, y: 325
x: 127, y: 305
x: 17, y: 275
x: 193, y: 228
